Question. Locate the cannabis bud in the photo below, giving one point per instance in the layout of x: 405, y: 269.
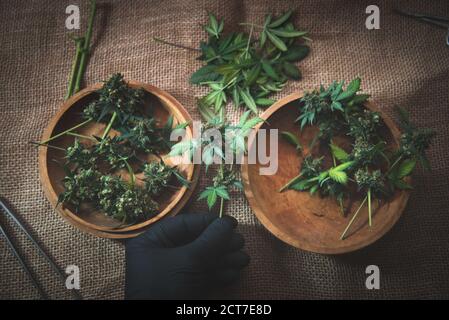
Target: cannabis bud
x: 80, y: 155
x: 80, y: 186
x: 90, y: 169
x: 114, y: 152
x: 145, y: 136
x: 133, y: 205
x: 416, y: 142
x: 367, y: 180
x: 157, y: 177
x: 311, y: 167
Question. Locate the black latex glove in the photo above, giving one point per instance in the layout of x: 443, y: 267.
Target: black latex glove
x: 184, y: 257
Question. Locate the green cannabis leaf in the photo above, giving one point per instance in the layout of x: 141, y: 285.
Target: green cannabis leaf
x: 340, y: 154
x: 234, y: 136
x: 292, y: 139
x: 244, y: 69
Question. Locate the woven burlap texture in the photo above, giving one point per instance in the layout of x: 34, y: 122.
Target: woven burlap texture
x: 404, y: 63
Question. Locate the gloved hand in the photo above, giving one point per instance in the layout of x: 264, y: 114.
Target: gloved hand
x: 184, y: 257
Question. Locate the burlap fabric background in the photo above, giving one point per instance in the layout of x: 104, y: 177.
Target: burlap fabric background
x: 405, y: 63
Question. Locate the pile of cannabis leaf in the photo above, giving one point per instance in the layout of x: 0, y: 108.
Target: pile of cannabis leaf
x: 91, y: 168
x: 370, y: 166
x: 246, y: 69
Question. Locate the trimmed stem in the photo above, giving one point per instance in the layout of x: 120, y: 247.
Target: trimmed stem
x: 66, y: 131
x: 220, y: 214
x: 249, y: 38
x: 221, y: 207
x: 288, y: 184
x: 108, y: 128
x: 393, y: 165
x: 251, y: 24
x: 46, y: 145
x: 369, y: 207
x: 333, y: 157
x: 342, y: 209
x: 81, y: 136
x: 352, y: 220
x: 86, y: 47
x: 175, y: 44
x: 74, y: 72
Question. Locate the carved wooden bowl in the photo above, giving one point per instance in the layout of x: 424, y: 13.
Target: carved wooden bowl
x: 312, y: 223
x: 51, y: 174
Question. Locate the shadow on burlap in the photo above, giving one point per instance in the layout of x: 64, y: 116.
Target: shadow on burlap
x: 404, y: 63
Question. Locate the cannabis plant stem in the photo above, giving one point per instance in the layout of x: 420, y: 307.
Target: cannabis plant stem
x: 66, y: 131
x: 175, y: 44
x: 220, y: 214
x: 86, y: 45
x: 109, y: 126
x: 393, y: 165
x: 288, y: 184
x: 74, y: 72
x: 352, y: 220
x: 342, y: 209
x: 221, y: 208
x: 369, y: 206
x: 47, y: 145
x: 251, y: 25
x: 81, y: 136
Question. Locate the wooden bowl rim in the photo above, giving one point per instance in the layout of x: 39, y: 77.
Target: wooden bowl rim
x: 171, y: 105
x: 279, y: 233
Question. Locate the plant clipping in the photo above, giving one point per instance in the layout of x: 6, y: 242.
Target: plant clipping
x: 245, y: 68
x: 93, y: 167
x: 366, y: 165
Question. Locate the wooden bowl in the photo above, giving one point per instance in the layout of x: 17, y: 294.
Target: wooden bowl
x: 51, y: 174
x: 312, y: 223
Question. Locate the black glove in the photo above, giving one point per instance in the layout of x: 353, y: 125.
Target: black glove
x: 184, y: 257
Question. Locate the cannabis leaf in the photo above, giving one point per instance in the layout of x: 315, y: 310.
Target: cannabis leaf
x: 212, y: 193
x: 278, y: 29
x: 292, y: 139
x: 338, y: 176
x: 340, y: 154
x: 237, y: 68
x: 214, y: 28
x: 406, y: 168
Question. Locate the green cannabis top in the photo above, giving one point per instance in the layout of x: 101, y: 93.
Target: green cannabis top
x: 91, y: 169
x: 370, y: 165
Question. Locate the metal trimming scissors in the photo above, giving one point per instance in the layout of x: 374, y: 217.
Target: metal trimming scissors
x: 442, y: 22
x: 19, y: 257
